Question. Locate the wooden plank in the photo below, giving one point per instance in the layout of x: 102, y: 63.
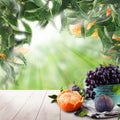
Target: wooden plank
x: 2, y: 92
x: 13, y: 107
x: 6, y: 97
x: 113, y: 119
x: 49, y: 111
x: 31, y: 108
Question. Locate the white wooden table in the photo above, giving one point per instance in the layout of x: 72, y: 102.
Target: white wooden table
x: 32, y: 105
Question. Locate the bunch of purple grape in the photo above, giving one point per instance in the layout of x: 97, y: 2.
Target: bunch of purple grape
x: 103, y: 75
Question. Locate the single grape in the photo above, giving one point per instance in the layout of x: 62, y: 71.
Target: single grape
x: 117, y: 81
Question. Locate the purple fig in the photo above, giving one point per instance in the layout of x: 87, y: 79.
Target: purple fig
x: 104, y: 103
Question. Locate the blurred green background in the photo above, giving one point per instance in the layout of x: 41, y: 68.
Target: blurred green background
x: 57, y: 59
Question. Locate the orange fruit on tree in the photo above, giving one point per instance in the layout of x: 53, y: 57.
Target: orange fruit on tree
x: 95, y: 33
x: 2, y: 55
x: 109, y: 11
x: 115, y: 37
x: 90, y: 24
x: 69, y: 100
x: 75, y: 29
x: 23, y: 49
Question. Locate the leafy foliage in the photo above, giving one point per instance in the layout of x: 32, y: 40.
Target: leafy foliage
x: 9, y: 17
x: 105, y: 13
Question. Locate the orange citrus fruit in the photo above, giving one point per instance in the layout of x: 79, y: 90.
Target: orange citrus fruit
x: 69, y: 100
x: 23, y: 49
x: 2, y: 55
x: 75, y: 29
x: 115, y: 37
x: 109, y: 11
x: 90, y: 24
x: 95, y: 34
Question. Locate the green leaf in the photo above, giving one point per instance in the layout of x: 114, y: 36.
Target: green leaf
x: 91, y: 31
x: 5, y: 2
x: 116, y: 89
x: 118, y: 118
x: 82, y: 92
x: 32, y: 16
x: 43, y: 23
x: 20, y: 56
x: 83, y: 113
x: 95, y: 3
x: 30, y: 6
x: 9, y: 71
x: 5, y: 34
x: 83, y: 31
x: 70, y: 17
x: 53, y: 97
x: 53, y: 101
x: 27, y: 27
x: 118, y: 20
x: 63, y: 21
x: 107, y: 34
x: 56, y: 6
x: 102, y: 19
x: 65, y: 4
x: 118, y: 105
x: 11, y: 20
x: 29, y: 32
x: 11, y: 41
x: 105, y: 41
x: 38, y: 3
x: 82, y: 14
x: 102, y: 11
x: 61, y: 89
x: 72, y: 14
